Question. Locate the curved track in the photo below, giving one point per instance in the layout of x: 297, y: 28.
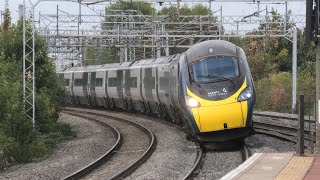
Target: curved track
x: 278, y: 130
x: 194, y: 170
x: 244, y: 151
x: 126, y: 166
x: 103, y: 158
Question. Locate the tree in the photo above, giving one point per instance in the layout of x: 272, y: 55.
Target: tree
x: 6, y: 18
x: 270, y: 60
x: 208, y: 23
x: 19, y: 141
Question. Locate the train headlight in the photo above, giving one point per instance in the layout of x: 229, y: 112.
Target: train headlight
x: 192, y: 102
x: 245, y: 94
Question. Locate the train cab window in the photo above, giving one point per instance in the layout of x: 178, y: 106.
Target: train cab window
x: 214, y: 69
x: 98, y: 82
x: 78, y: 82
x: 66, y: 82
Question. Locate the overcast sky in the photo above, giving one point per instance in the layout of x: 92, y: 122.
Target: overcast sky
x: 235, y: 8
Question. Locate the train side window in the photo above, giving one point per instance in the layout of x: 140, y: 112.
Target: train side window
x: 113, y: 82
x: 133, y: 82
x: 78, y: 82
x: 98, y: 82
x: 66, y: 82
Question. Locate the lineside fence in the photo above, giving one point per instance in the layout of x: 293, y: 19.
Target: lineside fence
x: 306, y: 125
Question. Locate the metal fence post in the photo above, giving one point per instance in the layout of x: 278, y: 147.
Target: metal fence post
x: 300, y: 143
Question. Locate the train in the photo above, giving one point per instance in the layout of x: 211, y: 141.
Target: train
x: 208, y: 89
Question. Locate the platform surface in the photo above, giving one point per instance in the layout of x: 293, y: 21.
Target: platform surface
x: 279, y: 166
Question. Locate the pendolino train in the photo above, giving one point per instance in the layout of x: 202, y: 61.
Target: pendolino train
x: 208, y: 89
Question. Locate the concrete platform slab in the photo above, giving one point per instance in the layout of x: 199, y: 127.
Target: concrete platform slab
x: 296, y: 169
x: 261, y: 166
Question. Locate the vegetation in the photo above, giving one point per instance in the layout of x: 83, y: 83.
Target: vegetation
x: 270, y: 60
x: 19, y: 141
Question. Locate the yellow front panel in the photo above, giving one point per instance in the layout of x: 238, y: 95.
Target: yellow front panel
x: 212, y: 115
x: 244, y: 105
x: 195, y: 112
x: 213, y: 118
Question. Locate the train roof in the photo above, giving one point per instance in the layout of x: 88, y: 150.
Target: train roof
x: 213, y: 47
x: 139, y: 63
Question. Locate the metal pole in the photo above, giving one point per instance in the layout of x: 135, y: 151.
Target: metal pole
x: 126, y: 53
x: 33, y: 70
x: 285, y: 20
x: 24, y: 53
x: 56, y: 39
x: 258, y: 8
x: 300, y: 144
x: 178, y: 7
x: 167, y: 43
x: 318, y: 96
x: 1, y: 16
x: 221, y: 21
x: 294, y: 70
x: 29, y: 65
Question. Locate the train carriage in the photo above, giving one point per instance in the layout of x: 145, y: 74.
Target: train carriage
x: 208, y: 89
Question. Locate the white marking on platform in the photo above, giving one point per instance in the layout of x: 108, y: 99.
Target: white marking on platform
x: 267, y: 168
x: 277, y: 157
x: 242, y: 167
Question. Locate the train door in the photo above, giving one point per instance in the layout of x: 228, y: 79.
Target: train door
x: 72, y: 83
x: 88, y: 83
x: 93, y: 84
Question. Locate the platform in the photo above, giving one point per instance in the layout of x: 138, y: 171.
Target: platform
x: 279, y: 166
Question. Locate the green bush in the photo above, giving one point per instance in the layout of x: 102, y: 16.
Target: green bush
x: 19, y: 141
x: 274, y: 93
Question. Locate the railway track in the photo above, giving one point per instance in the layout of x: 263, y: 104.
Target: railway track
x: 80, y: 173
x: 268, y: 128
x: 195, y: 168
x: 244, y: 151
x: 273, y: 125
x: 127, y: 157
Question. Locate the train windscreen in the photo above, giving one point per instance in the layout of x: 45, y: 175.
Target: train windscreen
x: 214, y: 69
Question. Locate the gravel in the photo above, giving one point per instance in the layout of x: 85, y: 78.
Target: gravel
x: 217, y: 164
x: 260, y: 143
x: 134, y: 143
x: 174, y: 155
x: 90, y: 143
x: 172, y: 159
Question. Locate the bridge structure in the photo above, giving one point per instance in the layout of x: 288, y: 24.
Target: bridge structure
x: 134, y: 35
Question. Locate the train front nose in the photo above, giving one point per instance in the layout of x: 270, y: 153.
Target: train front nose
x: 220, y: 117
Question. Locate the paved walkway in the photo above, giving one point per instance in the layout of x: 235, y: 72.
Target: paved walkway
x: 279, y: 166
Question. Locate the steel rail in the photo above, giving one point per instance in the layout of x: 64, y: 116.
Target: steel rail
x: 144, y: 157
x: 292, y: 137
x: 244, y: 151
x: 102, y: 159
x: 280, y: 128
x: 196, y: 164
x: 281, y: 117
